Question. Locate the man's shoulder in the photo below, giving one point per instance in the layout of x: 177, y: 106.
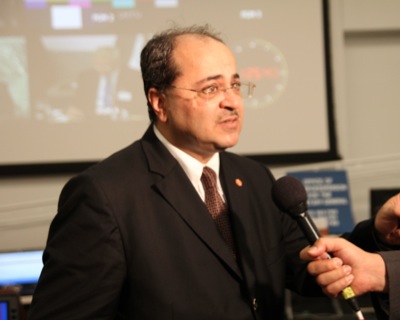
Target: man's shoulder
x: 122, y: 168
x: 242, y: 160
x: 127, y: 158
x: 246, y: 166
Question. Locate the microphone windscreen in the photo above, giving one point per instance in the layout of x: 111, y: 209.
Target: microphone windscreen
x: 289, y: 194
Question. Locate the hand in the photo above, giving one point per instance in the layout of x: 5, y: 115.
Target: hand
x: 387, y: 221
x: 350, y: 265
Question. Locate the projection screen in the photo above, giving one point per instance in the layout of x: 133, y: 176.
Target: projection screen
x: 50, y: 115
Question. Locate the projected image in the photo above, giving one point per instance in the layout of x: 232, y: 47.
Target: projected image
x: 71, y: 85
x: 13, y: 79
x: 92, y: 15
x: 261, y: 62
x: 87, y: 78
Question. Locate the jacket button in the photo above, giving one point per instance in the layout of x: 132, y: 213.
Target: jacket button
x: 255, y: 304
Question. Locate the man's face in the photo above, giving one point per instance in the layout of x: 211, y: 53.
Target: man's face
x: 196, y: 125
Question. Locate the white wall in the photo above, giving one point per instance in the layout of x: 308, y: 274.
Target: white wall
x: 366, y: 65
x: 27, y: 206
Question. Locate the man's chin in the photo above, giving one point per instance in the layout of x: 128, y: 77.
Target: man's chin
x: 223, y: 147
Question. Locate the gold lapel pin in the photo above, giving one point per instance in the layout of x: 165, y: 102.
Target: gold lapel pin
x: 239, y: 182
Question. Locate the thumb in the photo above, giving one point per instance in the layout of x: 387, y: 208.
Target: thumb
x: 313, y: 252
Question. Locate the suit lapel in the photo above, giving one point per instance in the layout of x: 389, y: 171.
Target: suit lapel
x: 237, y: 191
x: 236, y: 188
x: 176, y: 188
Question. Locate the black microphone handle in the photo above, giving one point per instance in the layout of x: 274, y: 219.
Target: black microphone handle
x: 308, y: 227
x: 312, y: 234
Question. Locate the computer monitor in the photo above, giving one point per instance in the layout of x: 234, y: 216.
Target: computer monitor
x: 20, y: 269
x: 9, y: 307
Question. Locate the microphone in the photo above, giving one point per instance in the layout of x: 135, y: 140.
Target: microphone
x: 290, y: 196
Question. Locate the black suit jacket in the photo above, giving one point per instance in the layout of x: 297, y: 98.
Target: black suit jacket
x: 133, y: 240
x: 386, y: 305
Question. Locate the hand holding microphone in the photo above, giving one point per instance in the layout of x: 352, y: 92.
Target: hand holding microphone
x: 291, y: 197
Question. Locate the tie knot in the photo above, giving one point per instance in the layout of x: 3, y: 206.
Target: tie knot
x: 209, y: 178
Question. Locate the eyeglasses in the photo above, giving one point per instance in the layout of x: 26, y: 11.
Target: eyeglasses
x: 243, y: 89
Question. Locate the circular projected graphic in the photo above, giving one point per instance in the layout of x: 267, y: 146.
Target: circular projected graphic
x: 261, y: 62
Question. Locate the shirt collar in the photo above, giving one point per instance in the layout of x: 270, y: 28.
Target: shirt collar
x: 192, y: 167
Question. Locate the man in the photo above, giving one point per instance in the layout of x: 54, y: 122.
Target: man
x: 105, y: 90
x: 133, y: 238
x: 365, y: 272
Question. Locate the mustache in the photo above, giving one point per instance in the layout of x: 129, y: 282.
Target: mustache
x: 230, y: 113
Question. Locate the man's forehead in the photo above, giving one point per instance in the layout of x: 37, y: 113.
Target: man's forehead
x: 208, y: 58
x: 196, y: 49
x: 219, y: 77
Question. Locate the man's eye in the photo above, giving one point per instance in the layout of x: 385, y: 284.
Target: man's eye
x: 236, y: 86
x: 210, y: 90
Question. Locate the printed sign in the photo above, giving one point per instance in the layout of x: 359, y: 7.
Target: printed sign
x: 328, y: 198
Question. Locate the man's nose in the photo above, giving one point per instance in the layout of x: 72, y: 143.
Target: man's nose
x: 230, y: 98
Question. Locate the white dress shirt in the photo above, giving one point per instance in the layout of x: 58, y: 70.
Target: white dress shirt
x: 192, y: 167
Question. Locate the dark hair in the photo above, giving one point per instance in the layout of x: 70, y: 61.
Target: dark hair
x: 158, y: 68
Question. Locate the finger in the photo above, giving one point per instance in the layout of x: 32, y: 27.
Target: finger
x: 334, y: 289
x: 304, y: 254
x: 326, y: 244
x: 317, y: 267
x: 313, y: 252
x: 326, y: 278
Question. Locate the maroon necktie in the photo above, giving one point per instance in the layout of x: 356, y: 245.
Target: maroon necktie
x: 216, y: 206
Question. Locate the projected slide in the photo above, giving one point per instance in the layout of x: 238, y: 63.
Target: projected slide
x: 71, y: 88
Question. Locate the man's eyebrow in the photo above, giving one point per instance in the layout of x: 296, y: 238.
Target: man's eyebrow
x: 216, y: 77
x: 236, y: 76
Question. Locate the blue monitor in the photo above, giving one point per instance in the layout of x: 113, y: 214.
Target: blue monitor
x: 20, y: 268
x: 3, y: 310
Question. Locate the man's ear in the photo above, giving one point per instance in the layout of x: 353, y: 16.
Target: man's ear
x: 157, y: 101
